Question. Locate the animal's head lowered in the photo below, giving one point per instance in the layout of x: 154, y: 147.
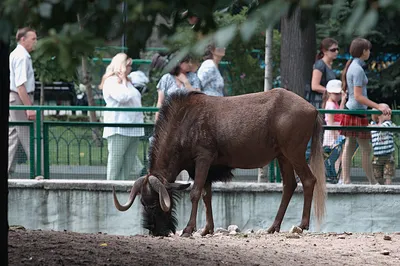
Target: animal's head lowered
x: 158, y: 201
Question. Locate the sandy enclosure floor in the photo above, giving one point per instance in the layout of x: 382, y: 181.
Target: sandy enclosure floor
x: 36, y: 247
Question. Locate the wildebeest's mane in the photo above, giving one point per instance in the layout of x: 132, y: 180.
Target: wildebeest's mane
x: 168, y: 111
x: 219, y: 173
x: 170, y: 223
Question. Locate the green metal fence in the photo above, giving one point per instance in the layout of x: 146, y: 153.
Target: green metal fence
x: 77, y: 149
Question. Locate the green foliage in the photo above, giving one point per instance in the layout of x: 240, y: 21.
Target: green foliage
x: 244, y: 73
x: 104, y: 20
x: 57, y: 56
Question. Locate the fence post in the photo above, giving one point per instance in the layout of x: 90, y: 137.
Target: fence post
x: 32, y: 150
x: 272, y: 171
x: 38, y: 142
x: 278, y: 173
x: 46, y: 163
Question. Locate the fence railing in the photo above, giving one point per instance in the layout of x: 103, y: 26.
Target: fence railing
x: 79, y: 145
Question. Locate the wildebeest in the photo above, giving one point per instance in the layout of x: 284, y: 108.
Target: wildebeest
x: 210, y: 136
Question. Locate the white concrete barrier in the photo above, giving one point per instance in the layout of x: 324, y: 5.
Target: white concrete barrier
x: 87, y: 206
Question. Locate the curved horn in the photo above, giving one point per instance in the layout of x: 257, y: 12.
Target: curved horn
x: 134, y: 191
x: 165, y: 200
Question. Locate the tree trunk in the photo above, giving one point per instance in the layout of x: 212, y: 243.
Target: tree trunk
x: 89, y: 93
x: 268, y: 59
x: 4, y: 110
x: 41, y: 93
x: 88, y: 88
x: 262, y: 172
x: 298, y: 48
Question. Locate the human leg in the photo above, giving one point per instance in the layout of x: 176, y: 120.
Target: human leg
x: 365, y: 147
x: 389, y: 169
x: 377, y: 169
x: 338, y: 166
x: 130, y: 157
x: 117, y: 145
x: 348, y: 151
x: 12, y: 149
x: 17, y: 134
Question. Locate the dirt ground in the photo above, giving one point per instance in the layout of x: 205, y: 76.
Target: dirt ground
x: 28, y: 247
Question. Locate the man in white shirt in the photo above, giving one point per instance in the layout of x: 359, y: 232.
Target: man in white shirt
x: 22, y: 87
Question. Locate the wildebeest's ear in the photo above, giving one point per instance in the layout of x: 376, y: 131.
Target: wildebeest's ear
x: 178, y: 186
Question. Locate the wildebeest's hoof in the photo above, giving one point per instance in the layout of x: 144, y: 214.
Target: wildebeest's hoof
x: 186, y: 234
x: 206, y: 232
x: 304, y: 226
x: 295, y: 229
x: 273, y: 229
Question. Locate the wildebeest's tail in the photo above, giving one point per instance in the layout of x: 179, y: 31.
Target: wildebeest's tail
x: 318, y: 169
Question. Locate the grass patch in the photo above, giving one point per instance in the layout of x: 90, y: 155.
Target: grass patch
x: 83, y: 146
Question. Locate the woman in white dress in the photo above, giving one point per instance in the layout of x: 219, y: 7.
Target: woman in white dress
x: 118, y: 91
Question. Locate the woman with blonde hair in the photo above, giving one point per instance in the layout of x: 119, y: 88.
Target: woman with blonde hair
x: 118, y: 91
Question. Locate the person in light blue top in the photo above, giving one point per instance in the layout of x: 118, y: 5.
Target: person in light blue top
x: 356, y: 77
x: 179, y: 78
x: 354, y: 82
x: 212, y: 82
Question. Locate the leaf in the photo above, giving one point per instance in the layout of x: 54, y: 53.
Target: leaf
x: 68, y: 4
x: 104, y: 4
x: 247, y: 28
x: 336, y: 7
x: 64, y: 57
x: 273, y: 11
x: 355, y: 18
x: 385, y: 3
x: 45, y: 10
x: 174, y: 61
x: 224, y: 36
x: 201, y: 45
x: 5, y: 30
x: 368, y: 22
x: 103, y: 245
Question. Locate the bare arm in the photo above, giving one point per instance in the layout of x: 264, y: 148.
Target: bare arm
x: 316, y: 80
x: 182, y: 78
x: 343, y: 101
x: 23, y: 95
x: 189, y: 87
x: 365, y: 101
x: 160, y: 101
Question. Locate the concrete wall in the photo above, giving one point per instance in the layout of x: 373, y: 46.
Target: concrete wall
x: 87, y: 206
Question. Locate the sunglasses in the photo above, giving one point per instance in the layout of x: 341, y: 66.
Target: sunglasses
x: 334, y: 50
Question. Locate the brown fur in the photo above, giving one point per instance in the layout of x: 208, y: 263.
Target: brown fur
x: 209, y: 136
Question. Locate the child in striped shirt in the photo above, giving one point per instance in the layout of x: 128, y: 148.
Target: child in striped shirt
x: 383, y: 146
